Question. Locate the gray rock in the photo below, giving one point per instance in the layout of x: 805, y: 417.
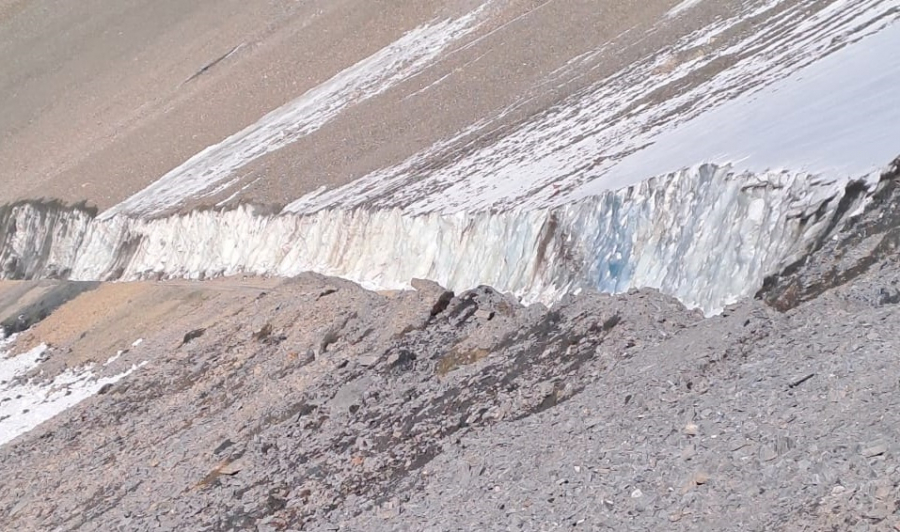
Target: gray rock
x: 537, y: 418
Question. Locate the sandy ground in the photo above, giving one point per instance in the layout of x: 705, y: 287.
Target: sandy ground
x: 106, y: 318
x: 99, y: 104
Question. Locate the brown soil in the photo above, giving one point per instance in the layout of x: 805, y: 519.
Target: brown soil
x: 97, y: 324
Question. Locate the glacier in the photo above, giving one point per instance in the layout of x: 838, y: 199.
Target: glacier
x: 707, y: 235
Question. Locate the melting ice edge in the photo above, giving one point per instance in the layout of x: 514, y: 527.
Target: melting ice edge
x: 706, y: 235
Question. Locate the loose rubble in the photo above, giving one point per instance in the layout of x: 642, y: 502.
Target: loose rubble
x: 318, y: 405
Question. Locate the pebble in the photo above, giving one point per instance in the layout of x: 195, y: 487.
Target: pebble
x: 767, y: 453
x: 874, y: 450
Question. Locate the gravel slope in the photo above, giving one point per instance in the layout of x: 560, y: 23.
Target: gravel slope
x: 312, y: 404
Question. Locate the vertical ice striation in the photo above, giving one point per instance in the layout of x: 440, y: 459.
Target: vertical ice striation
x: 706, y: 235
x: 41, y: 239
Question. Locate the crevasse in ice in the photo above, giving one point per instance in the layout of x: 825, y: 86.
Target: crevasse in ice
x: 705, y: 235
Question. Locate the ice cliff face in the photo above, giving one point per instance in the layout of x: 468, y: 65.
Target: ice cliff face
x: 706, y: 235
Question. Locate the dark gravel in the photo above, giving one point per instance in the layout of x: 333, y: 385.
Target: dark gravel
x: 322, y: 406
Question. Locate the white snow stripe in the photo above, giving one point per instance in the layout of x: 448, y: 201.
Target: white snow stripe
x: 401, y: 60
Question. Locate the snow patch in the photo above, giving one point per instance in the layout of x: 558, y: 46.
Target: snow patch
x: 839, y: 116
x: 26, y: 403
x: 576, y: 148
x: 682, y: 7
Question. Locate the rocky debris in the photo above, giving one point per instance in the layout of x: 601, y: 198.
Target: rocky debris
x: 742, y: 452
x: 190, y: 336
x: 868, y: 241
x: 425, y: 410
x: 396, y: 380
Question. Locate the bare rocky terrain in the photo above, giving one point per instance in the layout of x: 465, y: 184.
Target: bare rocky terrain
x: 313, y: 404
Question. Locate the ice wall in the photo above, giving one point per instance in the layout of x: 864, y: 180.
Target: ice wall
x: 705, y: 235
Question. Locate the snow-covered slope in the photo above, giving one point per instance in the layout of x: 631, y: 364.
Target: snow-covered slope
x: 212, y: 169
x: 772, y: 84
x: 804, y: 86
